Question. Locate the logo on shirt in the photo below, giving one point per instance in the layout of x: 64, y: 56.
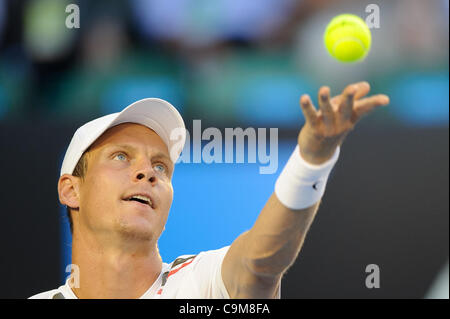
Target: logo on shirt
x: 183, y: 261
x: 315, y: 185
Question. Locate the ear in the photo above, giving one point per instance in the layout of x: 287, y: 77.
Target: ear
x: 68, y: 190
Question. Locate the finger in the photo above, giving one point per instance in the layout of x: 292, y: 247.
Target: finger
x: 325, y: 106
x: 335, y: 101
x: 308, y: 109
x: 363, y: 89
x: 365, y: 106
x: 345, y: 109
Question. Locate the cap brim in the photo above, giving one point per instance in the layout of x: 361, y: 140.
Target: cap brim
x: 156, y: 114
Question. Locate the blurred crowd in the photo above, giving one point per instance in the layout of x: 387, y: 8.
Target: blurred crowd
x: 227, y: 62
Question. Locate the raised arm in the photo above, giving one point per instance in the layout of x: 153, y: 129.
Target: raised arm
x: 258, y: 258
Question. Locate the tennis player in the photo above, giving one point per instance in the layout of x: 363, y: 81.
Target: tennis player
x: 116, y: 183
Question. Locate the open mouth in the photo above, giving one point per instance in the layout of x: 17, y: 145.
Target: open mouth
x: 143, y: 199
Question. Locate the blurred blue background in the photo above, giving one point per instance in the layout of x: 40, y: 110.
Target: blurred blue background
x: 227, y: 62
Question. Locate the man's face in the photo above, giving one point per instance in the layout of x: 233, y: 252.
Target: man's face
x: 127, y: 160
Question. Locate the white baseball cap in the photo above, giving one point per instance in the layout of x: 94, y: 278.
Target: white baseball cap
x: 156, y: 114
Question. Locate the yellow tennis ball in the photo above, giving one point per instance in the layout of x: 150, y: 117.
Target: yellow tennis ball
x: 347, y: 38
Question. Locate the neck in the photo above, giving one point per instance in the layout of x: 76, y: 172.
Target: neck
x: 114, y: 268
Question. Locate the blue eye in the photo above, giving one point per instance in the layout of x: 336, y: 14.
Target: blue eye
x: 120, y: 157
x: 161, y: 168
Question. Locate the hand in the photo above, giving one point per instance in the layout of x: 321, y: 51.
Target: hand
x: 326, y: 129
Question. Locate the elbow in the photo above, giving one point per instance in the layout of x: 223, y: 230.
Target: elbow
x: 271, y: 263
x: 266, y: 269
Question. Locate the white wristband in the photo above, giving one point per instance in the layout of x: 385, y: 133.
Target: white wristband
x: 301, y: 184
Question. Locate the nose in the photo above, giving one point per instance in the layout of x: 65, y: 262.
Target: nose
x: 140, y: 176
x: 146, y: 174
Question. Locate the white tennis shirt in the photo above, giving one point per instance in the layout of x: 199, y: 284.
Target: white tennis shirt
x: 188, y: 276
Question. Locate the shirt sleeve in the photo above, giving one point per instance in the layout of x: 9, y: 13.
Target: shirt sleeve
x: 200, y: 278
x: 207, y: 272
x: 215, y: 288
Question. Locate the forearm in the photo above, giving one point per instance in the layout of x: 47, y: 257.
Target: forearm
x: 280, y: 230
x: 258, y: 258
x: 271, y: 246
x: 277, y: 237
